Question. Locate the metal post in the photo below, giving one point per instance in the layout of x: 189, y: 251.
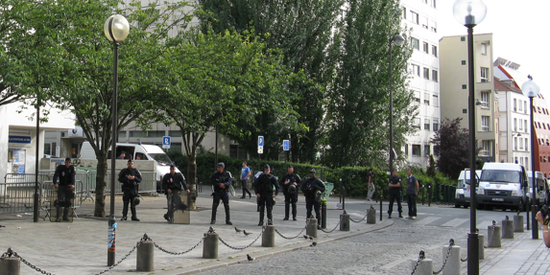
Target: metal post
x: 35, y: 211
x: 473, y: 238
x: 112, y: 223
x: 391, y: 110
x: 380, y: 207
x: 534, y: 225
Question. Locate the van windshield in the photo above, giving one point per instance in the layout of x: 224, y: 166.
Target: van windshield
x: 500, y: 176
x: 162, y: 159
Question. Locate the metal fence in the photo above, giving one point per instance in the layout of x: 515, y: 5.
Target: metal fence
x: 16, y: 197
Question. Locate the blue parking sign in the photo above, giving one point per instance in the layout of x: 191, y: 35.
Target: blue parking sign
x: 166, y: 141
x: 260, y: 140
x: 286, y: 145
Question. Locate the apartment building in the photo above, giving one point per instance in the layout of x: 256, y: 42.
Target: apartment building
x: 455, y: 90
x: 421, y: 17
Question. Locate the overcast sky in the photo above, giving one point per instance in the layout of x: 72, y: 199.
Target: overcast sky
x: 520, y: 34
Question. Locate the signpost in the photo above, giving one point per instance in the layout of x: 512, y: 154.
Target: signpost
x: 166, y: 141
x: 260, y: 150
x: 286, y: 147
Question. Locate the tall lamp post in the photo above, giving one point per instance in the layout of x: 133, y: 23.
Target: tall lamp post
x: 470, y: 13
x: 116, y: 30
x: 397, y: 39
x: 531, y: 90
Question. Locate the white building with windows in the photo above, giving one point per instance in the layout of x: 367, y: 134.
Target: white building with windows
x: 421, y: 17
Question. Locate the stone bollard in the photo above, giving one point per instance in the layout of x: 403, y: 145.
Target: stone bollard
x: 422, y: 266
x: 268, y: 237
x: 311, y: 229
x: 145, y: 260
x: 10, y: 265
x: 371, y: 215
x: 452, y: 267
x: 507, y: 228
x: 481, y: 246
x: 210, y: 247
x: 493, y: 235
x: 518, y: 223
x: 344, y: 222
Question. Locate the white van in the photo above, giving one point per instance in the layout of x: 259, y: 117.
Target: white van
x: 503, y: 185
x: 542, y: 189
x: 462, y: 193
x: 136, y: 152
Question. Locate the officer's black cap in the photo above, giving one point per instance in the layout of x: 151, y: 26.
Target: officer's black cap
x: 172, y: 165
x: 313, y: 171
x: 267, y: 167
x: 67, y: 159
x: 221, y: 164
x: 290, y: 166
x: 130, y: 161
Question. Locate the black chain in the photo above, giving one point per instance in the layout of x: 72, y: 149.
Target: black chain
x: 421, y: 256
x: 178, y: 253
x: 143, y: 239
x: 330, y: 231
x: 243, y: 247
x: 29, y: 264
x: 299, y: 233
x: 451, y: 244
x: 351, y: 219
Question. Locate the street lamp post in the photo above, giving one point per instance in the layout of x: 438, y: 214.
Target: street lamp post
x: 116, y: 29
x: 470, y: 13
x: 397, y: 39
x: 531, y: 90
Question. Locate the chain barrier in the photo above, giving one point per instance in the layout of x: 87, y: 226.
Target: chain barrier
x: 491, y: 234
x: 451, y: 244
x: 143, y: 239
x: 297, y: 235
x: 330, y: 231
x: 178, y: 253
x: 243, y: 247
x: 421, y: 256
x: 351, y: 219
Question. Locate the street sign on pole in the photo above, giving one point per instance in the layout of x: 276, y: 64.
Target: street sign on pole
x: 286, y: 145
x: 260, y: 145
x: 166, y: 141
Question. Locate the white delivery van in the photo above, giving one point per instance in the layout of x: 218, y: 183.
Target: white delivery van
x: 137, y: 152
x: 542, y: 187
x: 462, y: 193
x: 503, y: 185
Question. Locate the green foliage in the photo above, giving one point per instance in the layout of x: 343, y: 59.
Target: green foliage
x: 451, y: 141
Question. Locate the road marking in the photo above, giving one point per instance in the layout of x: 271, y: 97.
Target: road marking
x: 454, y: 222
x: 426, y: 220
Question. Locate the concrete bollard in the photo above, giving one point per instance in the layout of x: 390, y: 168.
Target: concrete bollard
x: 210, y: 247
x: 452, y: 267
x: 425, y: 267
x: 10, y: 266
x: 311, y: 229
x: 268, y: 237
x: 344, y: 222
x: 481, y: 246
x: 371, y: 215
x: 145, y: 260
x: 518, y: 223
x: 507, y: 228
x: 493, y: 235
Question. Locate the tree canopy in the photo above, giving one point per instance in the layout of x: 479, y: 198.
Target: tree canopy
x: 451, y: 142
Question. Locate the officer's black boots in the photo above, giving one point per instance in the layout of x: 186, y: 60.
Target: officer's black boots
x: 134, y: 216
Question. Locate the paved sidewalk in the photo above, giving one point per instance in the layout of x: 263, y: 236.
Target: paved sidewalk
x: 81, y: 247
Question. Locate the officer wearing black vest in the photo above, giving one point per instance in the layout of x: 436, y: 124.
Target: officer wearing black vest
x: 264, y: 192
x: 395, y: 193
x: 173, y: 183
x: 290, y: 183
x: 221, y: 182
x: 65, y: 189
x: 312, y: 189
x: 130, y: 178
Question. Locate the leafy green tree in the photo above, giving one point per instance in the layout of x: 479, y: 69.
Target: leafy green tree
x: 451, y: 141
x: 61, y: 48
x: 217, y: 79
x: 302, y: 30
x: 358, y: 109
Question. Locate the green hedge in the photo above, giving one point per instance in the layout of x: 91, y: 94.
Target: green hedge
x: 353, y: 178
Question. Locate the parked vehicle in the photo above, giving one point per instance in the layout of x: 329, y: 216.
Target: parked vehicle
x: 462, y: 193
x: 542, y: 187
x: 503, y: 185
x: 137, y: 152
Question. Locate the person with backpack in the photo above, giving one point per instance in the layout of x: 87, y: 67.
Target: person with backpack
x: 313, y: 188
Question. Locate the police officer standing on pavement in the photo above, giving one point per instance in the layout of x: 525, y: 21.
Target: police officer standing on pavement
x: 395, y: 193
x: 173, y: 183
x: 412, y: 192
x: 312, y: 189
x: 65, y: 189
x: 130, y: 178
x: 290, y: 183
x: 264, y: 192
x: 220, y: 181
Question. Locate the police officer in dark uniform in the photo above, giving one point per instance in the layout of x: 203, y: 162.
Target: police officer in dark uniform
x: 130, y: 178
x: 221, y: 181
x: 264, y: 192
x: 290, y: 183
x: 173, y: 183
x: 395, y: 193
x: 65, y: 189
x: 312, y: 189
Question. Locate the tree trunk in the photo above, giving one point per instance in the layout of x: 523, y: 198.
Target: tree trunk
x: 101, y: 180
x: 192, y: 179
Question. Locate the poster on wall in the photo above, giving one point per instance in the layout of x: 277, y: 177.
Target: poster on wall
x: 17, y: 158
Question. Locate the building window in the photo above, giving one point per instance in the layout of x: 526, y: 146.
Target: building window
x: 434, y: 50
x: 525, y: 107
x: 520, y: 108
x: 486, y: 148
x: 175, y: 147
x: 435, y: 126
x: 425, y: 22
x: 515, y: 143
x: 435, y: 76
x: 434, y: 27
x: 137, y: 134
x: 520, y: 144
x: 415, y: 69
x: 526, y: 143
x: 416, y: 97
x: 485, y: 99
x: 434, y: 3
x: 426, y: 73
x: 415, y: 43
x: 484, y: 74
x: 404, y: 13
x: 520, y: 128
x: 406, y: 149
x: 435, y: 100
x: 516, y: 104
x: 464, y: 86
x: 416, y: 150
x: 155, y: 133
x: 427, y: 124
x: 516, y: 124
x: 425, y: 47
x: 485, y: 123
x: 121, y: 134
x: 463, y: 62
x: 414, y: 17
x: 174, y: 133
x: 416, y: 123
x: 427, y: 150
x: 464, y: 111
x: 525, y: 125
x: 483, y: 48
x: 426, y: 98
